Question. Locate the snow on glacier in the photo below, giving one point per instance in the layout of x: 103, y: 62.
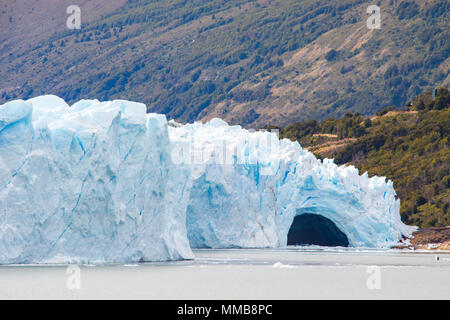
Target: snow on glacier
x: 103, y: 182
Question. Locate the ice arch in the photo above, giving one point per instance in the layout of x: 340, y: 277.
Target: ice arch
x: 250, y: 204
x: 314, y: 229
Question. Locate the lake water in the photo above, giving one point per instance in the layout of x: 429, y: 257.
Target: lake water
x: 292, y: 273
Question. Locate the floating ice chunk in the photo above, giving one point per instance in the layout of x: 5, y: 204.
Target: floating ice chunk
x: 282, y: 266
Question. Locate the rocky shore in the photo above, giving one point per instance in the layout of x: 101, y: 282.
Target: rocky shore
x: 429, y: 239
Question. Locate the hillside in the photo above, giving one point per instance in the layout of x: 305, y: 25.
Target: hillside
x: 248, y: 62
x: 409, y: 146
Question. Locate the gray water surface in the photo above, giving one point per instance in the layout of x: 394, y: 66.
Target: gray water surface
x: 292, y: 273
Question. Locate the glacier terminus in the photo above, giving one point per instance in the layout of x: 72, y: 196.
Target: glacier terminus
x: 106, y: 182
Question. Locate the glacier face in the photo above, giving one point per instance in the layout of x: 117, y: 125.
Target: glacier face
x: 90, y: 183
x: 103, y: 182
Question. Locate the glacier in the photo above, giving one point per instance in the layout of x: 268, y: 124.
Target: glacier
x: 106, y: 182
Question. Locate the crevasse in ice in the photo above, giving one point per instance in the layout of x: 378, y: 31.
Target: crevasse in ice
x: 104, y: 182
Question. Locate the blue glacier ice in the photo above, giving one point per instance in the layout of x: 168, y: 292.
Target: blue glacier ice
x: 104, y: 182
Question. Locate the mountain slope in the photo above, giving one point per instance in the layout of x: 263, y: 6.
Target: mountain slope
x: 249, y: 62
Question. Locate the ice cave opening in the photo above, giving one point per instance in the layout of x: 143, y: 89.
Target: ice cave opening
x: 314, y: 229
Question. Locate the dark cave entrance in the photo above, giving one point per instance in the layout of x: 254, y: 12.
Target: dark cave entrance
x: 314, y: 229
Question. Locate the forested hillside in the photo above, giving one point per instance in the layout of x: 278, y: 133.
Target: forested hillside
x: 249, y: 62
x: 410, y: 146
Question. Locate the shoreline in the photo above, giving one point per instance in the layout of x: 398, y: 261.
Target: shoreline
x: 429, y: 239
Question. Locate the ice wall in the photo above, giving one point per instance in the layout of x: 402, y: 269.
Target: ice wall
x: 106, y: 182
x: 248, y: 187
